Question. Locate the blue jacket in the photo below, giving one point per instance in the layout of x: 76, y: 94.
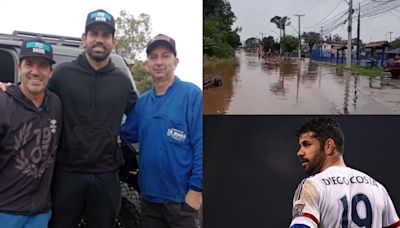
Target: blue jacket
x: 169, y: 131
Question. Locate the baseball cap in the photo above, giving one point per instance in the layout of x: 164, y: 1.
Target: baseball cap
x: 161, y: 40
x: 100, y: 16
x: 36, y: 48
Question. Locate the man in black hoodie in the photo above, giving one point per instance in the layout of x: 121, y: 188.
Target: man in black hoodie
x: 95, y: 95
x: 30, y: 127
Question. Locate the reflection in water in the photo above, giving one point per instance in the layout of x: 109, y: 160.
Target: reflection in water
x: 290, y: 86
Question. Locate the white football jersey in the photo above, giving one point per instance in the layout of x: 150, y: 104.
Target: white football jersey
x: 343, y: 197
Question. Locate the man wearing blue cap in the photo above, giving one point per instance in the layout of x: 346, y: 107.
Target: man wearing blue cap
x: 30, y: 127
x: 95, y: 94
x: 167, y: 123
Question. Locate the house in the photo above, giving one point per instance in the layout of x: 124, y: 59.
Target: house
x: 330, y: 49
x: 376, y: 51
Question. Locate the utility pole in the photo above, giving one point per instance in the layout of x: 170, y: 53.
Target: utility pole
x: 349, y: 27
x: 280, y: 42
x: 358, y: 34
x: 390, y: 36
x: 261, y: 45
x: 299, y: 15
x: 321, y: 42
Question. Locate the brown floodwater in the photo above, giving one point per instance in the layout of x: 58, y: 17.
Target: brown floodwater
x: 290, y: 86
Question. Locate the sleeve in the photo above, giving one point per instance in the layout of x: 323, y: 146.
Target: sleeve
x: 54, y: 81
x: 299, y: 226
x: 131, y: 101
x: 305, y: 205
x: 3, y: 113
x: 129, y: 130
x: 196, y: 142
x: 389, y: 217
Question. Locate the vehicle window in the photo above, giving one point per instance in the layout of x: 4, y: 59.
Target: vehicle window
x: 7, y: 67
x: 62, y: 59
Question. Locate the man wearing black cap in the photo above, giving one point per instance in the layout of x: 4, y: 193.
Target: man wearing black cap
x: 30, y: 127
x: 167, y: 123
x: 95, y: 94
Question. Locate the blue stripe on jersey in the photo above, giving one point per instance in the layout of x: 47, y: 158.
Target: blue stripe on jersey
x: 299, y: 226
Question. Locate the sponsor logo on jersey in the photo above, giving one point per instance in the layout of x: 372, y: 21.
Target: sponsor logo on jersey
x: 298, y: 210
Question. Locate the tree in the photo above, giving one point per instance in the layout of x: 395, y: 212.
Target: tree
x: 395, y: 43
x: 311, y: 38
x: 290, y: 43
x: 132, y: 35
x: 281, y: 23
x: 268, y: 43
x: 336, y: 38
x: 219, y: 39
x: 141, y: 75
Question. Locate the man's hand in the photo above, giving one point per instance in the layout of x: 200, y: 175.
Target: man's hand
x: 3, y: 85
x: 194, y: 199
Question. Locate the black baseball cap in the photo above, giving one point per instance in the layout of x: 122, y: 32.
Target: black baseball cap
x: 161, y: 40
x: 100, y: 16
x: 36, y: 48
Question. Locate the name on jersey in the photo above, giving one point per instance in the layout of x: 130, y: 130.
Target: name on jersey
x: 351, y: 180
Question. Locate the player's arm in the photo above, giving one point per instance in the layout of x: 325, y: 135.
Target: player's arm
x: 305, y: 206
x: 299, y: 226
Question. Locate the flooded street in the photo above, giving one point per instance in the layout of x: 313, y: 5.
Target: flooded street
x: 257, y: 86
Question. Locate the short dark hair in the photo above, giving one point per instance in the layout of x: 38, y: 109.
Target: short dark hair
x: 323, y: 129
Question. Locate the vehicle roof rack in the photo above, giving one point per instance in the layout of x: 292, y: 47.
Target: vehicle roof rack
x: 51, y: 39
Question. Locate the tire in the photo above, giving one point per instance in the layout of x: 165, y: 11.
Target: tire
x: 129, y: 213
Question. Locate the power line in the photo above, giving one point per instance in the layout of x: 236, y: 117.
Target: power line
x: 370, y: 9
x: 340, y: 2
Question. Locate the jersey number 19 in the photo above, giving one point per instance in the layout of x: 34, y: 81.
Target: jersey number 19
x: 355, y: 217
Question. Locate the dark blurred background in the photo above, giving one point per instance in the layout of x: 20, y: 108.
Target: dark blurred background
x: 251, y: 169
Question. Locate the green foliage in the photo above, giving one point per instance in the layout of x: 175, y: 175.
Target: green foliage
x: 395, y: 43
x: 290, y: 43
x: 281, y: 23
x: 268, y: 43
x: 218, y: 37
x: 336, y: 38
x: 364, y: 71
x: 141, y: 76
x: 132, y: 34
x: 312, y: 38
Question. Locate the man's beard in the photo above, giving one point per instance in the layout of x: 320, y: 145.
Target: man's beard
x: 98, y: 56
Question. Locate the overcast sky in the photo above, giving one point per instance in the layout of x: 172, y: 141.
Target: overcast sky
x: 254, y: 18
x: 180, y: 19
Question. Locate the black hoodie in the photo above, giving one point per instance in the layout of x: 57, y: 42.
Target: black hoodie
x: 28, y: 143
x: 93, y: 105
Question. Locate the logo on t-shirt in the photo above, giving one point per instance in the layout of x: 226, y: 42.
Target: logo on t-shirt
x: 53, y: 126
x: 176, y: 134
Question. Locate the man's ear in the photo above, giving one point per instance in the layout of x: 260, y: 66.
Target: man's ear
x: 329, y: 147
x: 176, y: 61
x: 83, y: 38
